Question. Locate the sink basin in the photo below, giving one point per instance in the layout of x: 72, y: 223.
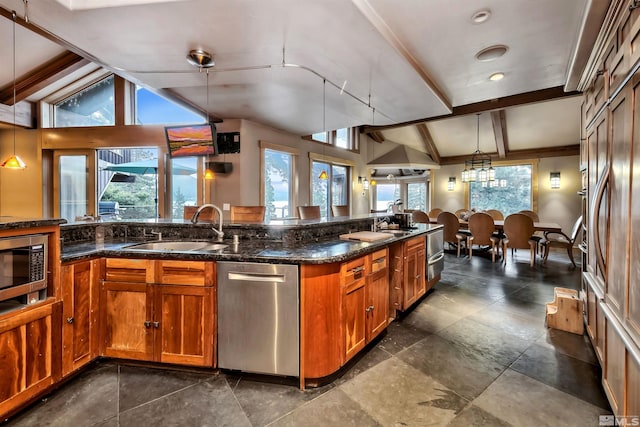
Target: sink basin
x: 177, y: 246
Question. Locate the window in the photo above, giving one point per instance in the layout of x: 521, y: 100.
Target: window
x: 153, y: 109
x: 347, y: 138
x: 91, y: 106
x: 417, y: 196
x: 511, y: 191
x: 278, y: 180
x: 325, y: 195
x: 385, y: 195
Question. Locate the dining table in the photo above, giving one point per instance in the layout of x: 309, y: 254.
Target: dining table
x: 499, y: 224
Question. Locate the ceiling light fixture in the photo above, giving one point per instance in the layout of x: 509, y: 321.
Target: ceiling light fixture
x: 323, y: 174
x: 496, y: 76
x: 481, y: 16
x: 492, y: 52
x: 200, y: 59
x: 478, y: 160
x: 14, y: 162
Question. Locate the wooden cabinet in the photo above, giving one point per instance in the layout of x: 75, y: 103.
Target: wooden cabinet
x: 30, y: 353
x: 365, y: 300
x: 79, y: 288
x: 407, y: 281
x: 144, y: 317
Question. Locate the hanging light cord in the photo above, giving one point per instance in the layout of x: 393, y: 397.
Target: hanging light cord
x: 13, y: 14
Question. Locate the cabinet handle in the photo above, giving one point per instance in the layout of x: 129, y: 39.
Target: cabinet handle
x: 368, y: 309
x: 70, y: 320
x: 378, y: 261
x: 156, y: 324
x: 357, y: 270
x: 147, y: 324
x: 418, y: 277
x: 595, y: 217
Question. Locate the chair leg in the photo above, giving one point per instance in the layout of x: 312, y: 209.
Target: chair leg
x: 532, y: 254
x: 570, y: 252
x: 504, y: 253
x: 459, y: 244
x: 469, y: 247
x: 546, y: 254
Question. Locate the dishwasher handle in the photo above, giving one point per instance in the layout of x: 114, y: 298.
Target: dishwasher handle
x: 436, y: 258
x: 256, y: 277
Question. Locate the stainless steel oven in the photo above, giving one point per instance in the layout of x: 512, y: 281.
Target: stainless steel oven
x: 23, y: 268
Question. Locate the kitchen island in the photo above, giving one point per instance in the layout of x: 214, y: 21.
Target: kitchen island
x: 159, y: 305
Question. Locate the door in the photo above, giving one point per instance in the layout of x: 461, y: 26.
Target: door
x: 353, y: 318
x: 377, y: 303
x: 73, y: 184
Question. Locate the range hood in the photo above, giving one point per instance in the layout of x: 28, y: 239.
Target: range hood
x: 403, y: 157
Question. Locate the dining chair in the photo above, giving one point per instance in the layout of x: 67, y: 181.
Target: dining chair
x: 247, y: 214
x: 309, y: 212
x: 450, y: 230
x: 459, y: 212
x: 561, y: 241
x: 481, y: 227
x: 206, y: 215
x: 518, y: 229
x: 495, y: 214
x: 433, y: 213
x: 420, y: 217
x: 340, y: 210
x: 536, y: 235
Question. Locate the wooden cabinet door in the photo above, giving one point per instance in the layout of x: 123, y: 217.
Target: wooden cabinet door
x: 126, y: 320
x: 377, y: 293
x: 184, y: 325
x: 633, y: 299
x: 353, y: 318
x: 411, y: 276
x: 79, y: 316
x: 29, y: 354
x: 421, y: 266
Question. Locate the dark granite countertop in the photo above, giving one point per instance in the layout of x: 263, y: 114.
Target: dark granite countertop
x: 14, y: 222
x: 318, y: 251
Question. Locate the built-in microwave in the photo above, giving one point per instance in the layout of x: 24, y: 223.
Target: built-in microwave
x: 23, y: 268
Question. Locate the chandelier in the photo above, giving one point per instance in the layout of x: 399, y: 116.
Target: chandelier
x: 478, y: 168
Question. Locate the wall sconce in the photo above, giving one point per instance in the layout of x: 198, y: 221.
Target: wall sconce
x: 554, y: 178
x: 365, y: 184
x: 451, y: 185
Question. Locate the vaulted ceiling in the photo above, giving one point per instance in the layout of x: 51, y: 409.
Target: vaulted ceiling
x: 405, y: 71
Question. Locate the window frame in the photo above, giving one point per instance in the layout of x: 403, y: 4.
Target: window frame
x: 332, y: 161
x: 294, y: 185
x: 331, y: 135
x: 534, y: 180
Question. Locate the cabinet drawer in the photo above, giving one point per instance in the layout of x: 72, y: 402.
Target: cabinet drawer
x: 379, y: 261
x: 194, y: 273
x: 352, y: 271
x: 416, y: 243
x: 129, y: 270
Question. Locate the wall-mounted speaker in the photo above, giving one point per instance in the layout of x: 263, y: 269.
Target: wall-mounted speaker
x: 220, y: 167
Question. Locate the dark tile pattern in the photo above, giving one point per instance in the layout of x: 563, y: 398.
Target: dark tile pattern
x: 474, y: 352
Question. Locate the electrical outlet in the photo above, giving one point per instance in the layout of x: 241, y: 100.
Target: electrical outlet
x: 226, y: 207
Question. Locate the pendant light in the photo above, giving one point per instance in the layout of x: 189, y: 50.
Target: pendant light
x: 481, y: 160
x: 323, y: 175
x: 14, y: 162
x: 208, y: 173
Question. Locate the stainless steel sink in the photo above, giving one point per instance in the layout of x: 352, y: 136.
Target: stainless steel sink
x: 177, y: 246
x: 396, y: 232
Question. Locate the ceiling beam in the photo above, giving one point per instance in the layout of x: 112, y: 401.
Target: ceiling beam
x: 429, y: 145
x: 42, y: 76
x: 387, y: 33
x: 499, y: 122
x: 377, y: 136
x: 24, y: 113
x: 490, y: 105
x: 533, y: 153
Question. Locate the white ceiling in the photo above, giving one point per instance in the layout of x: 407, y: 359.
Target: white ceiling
x: 408, y: 59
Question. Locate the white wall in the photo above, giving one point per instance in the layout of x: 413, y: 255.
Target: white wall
x: 21, y: 190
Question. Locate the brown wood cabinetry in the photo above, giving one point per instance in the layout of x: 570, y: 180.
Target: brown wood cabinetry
x: 79, y: 286
x: 407, y: 282
x: 144, y: 317
x: 377, y: 294
x: 611, y: 274
x: 30, y: 353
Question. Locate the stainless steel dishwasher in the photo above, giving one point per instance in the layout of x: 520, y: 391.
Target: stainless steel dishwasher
x: 258, y: 320
x: 435, y: 253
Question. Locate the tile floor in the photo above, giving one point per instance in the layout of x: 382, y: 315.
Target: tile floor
x: 474, y: 352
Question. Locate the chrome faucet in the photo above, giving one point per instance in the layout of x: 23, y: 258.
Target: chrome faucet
x: 194, y: 219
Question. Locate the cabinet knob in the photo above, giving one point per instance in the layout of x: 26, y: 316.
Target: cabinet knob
x: 70, y: 320
x: 156, y: 324
x: 147, y: 324
x: 418, y: 277
x: 368, y: 309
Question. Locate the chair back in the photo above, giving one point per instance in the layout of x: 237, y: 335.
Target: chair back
x: 576, y: 230
x: 340, y: 210
x: 459, y: 212
x: 481, y: 227
x: 451, y: 226
x: 495, y: 214
x: 433, y: 213
x: 309, y: 212
x: 206, y: 215
x: 420, y: 217
x: 247, y: 214
x: 519, y: 229
x: 531, y: 214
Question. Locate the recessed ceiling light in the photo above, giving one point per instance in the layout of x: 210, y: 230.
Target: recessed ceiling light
x: 480, y: 16
x: 496, y: 76
x: 492, y: 52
